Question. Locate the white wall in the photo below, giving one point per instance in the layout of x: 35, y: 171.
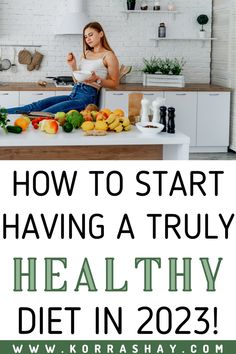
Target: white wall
x: 224, y: 54
x: 33, y: 22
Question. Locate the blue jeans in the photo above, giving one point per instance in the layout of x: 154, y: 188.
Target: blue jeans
x: 79, y: 98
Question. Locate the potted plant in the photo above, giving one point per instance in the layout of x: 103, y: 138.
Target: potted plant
x: 202, y: 20
x: 131, y: 4
x: 163, y: 72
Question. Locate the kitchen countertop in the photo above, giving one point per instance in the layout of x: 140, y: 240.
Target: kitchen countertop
x: 132, y: 145
x: 30, y: 86
x: 33, y: 86
x: 34, y: 137
x: 188, y: 87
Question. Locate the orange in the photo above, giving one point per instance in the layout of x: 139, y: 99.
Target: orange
x: 107, y: 112
x: 22, y: 122
x: 26, y: 118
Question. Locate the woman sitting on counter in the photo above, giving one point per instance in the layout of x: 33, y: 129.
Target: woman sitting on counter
x: 99, y: 59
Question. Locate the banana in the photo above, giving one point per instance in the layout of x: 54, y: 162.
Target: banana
x: 119, y: 128
x: 114, y: 124
x: 111, y: 118
x: 101, y: 125
x: 128, y: 127
x: 125, y: 121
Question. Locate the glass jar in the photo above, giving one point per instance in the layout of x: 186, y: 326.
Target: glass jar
x: 144, y: 5
x: 157, y: 5
x: 162, y: 30
x: 171, y: 6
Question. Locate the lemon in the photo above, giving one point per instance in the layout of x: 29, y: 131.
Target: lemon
x: 88, y: 125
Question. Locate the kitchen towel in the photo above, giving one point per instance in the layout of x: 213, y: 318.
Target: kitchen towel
x: 24, y: 57
x: 36, y: 61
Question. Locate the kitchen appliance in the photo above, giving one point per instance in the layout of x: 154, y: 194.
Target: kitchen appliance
x: 73, y: 19
x: 62, y: 81
x: 155, y: 107
x: 171, y: 120
x: 144, y: 110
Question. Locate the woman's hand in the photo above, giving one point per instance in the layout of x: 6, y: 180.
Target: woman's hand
x: 92, y: 78
x: 71, y: 61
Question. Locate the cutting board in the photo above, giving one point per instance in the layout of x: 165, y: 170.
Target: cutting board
x: 134, y: 106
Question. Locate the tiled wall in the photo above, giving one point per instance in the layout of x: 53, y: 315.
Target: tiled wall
x: 224, y: 54
x: 33, y: 22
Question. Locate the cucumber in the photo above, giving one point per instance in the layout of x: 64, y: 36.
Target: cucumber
x: 14, y: 129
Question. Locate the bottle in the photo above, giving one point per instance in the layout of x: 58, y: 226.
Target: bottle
x: 144, y: 110
x: 162, y: 30
x: 171, y: 120
x: 155, y: 110
x: 163, y: 117
x: 157, y: 5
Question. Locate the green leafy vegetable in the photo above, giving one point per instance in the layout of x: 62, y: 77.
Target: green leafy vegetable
x: 3, y: 119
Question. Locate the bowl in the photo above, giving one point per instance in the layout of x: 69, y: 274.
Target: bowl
x: 81, y: 75
x: 149, y: 127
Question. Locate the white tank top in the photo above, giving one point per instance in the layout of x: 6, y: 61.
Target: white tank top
x: 95, y: 65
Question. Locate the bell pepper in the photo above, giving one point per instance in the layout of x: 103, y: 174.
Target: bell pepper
x: 35, y: 121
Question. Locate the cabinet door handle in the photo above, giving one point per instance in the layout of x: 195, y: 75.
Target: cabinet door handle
x: 149, y: 94
x: 5, y: 94
x: 214, y: 94
x: 181, y: 94
x: 118, y: 94
x: 39, y: 94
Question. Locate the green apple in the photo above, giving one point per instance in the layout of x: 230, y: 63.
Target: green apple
x: 60, y: 115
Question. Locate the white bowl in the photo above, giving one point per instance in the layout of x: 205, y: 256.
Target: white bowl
x: 149, y: 127
x: 81, y: 75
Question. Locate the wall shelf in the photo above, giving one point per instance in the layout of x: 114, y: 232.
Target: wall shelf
x: 129, y: 12
x: 203, y: 40
x: 21, y: 45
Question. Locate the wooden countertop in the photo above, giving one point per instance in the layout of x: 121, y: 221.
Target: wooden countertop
x: 188, y: 87
x: 30, y: 86
x: 33, y: 86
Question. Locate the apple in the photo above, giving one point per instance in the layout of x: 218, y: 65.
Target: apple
x: 49, y: 126
x: 60, y: 118
x: 100, y: 116
x: 94, y: 114
x: 104, y: 113
x: 60, y: 115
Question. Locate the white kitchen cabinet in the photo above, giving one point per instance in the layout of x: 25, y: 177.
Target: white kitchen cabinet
x: 151, y: 95
x: 213, y: 120
x: 120, y: 99
x: 185, y: 104
x: 115, y: 99
x: 27, y: 97
x: 9, y: 99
